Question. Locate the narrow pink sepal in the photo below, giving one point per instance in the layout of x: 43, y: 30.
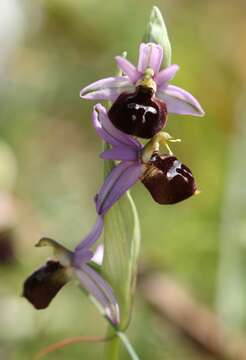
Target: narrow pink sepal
x: 128, y: 68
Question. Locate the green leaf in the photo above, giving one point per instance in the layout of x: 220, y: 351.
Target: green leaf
x: 121, y: 242
x: 157, y: 33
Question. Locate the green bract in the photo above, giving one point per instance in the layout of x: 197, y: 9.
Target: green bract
x: 157, y: 33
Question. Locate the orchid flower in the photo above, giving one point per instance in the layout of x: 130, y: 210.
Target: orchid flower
x: 166, y: 178
x: 43, y: 285
x: 143, y: 97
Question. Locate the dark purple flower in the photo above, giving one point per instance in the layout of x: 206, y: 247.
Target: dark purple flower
x: 143, y: 97
x: 167, y: 179
x: 43, y: 285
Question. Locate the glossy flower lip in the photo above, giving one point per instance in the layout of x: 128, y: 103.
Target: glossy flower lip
x: 134, y: 165
x: 177, y: 100
x: 168, y: 180
x: 43, y: 285
x: 139, y: 113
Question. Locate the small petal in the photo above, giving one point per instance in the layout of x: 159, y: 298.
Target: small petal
x: 150, y: 56
x: 121, y: 178
x: 108, y: 132
x: 166, y: 75
x: 121, y: 153
x: 100, y: 290
x: 106, y: 89
x: 128, y: 68
x: 179, y: 101
x: 43, y: 285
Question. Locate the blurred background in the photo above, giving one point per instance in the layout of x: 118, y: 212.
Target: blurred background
x: 49, y: 166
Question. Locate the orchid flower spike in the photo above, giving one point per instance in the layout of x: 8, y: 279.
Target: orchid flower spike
x: 166, y: 178
x: 143, y: 97
x: 43, y: 285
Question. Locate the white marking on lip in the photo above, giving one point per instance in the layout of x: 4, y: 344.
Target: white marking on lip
x: 173, y: 171
x: 146, y: 109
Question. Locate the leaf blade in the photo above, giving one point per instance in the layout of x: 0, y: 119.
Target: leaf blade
x: 122, y: 242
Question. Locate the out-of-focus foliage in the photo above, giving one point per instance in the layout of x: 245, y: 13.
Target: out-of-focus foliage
x: 67, y: 44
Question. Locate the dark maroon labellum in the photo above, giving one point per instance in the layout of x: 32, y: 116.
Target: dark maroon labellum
x: 168, y: 180
x: 139, y: 114
x: 43, y: 285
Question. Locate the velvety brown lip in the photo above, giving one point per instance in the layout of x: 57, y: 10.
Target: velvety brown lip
x: 139, y: 113
x: 43, y: 285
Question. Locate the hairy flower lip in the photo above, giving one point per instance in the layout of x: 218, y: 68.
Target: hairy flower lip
x: 177, y: 100
x: 43, y: 285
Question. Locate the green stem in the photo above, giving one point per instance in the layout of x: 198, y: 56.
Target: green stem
x: 111, y: 349
x: 128, y: 345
